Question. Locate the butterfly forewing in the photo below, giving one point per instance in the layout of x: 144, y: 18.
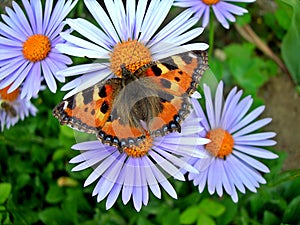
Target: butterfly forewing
x: 89, y: 109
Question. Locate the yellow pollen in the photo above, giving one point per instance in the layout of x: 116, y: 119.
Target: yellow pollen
x: 210, y: 2
x: 141, y: 149
x: 9, y: 96
x: 131, y: 53
x: 36, y: 47
x: 221, y: 143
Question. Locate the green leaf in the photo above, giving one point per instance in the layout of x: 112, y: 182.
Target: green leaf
x: 291, y: 42
x: 52, y: 216
x: 5, y: 189
x: 270, y: 218
x: 292, y: 212
x: 283, y: 14
x: 171, y: 218
x: 189, y: 215
x: 212, y: 208
x: 244, y: 19
x: 249, y: 71
x: 205, y: 220
x: 230, y: 212
x: 55, y: 194
x: 143, y: 221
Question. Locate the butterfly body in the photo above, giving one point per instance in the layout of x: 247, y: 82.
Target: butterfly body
x: 152, y: 100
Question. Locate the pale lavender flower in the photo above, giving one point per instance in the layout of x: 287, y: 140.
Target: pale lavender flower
x: 133, y: 177
x: 235, y: 142
x: 27, y: 46
x: 128, y: 34
x: 223, y: 10
x: 13, y: 108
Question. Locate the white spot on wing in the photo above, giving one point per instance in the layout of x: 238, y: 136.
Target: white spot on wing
x: 192, y: 55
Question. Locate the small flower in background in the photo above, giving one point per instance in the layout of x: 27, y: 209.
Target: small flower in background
x: 223, y: 10
x: 234, y: 142
x: 140, y: 168
x: 27, y: 48
x: 127, y: 35
x: 13, y: 108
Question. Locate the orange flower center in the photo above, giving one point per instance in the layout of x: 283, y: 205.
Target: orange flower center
x: 36, y: 47
x: 221, y: 143
x: 210, y: 2
x: 9, y: 96
x: 131, y: 53
x: 141, y: 149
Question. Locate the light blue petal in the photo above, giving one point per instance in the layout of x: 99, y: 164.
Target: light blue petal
x: 105, y: 164
x: 140, y: 13
x: 253, y: 127
x: 91, y: 32
x: 218, y: 103
x: 252, y: 162
x: 21, y: 77
x: 116, y: 12
x: 150, y: 178
x: 255, y: 137
x: 49, y: 77
x: 38, y: 14
x: 10, y: 68
x: 220, y: 17
x: 255, y: 151
x: 85, y: 48
x: 10, y: 43
x: 47, y: 14
x: 22, y: 20
x: 102, y: 19
x: 152, y: 21
x: 130, y: 18
x: 113, y: 196
x: 174, y: 28
x: 209, y: 107
x: 30, y: 14
x: 240, y: 111
x: 232, y: 105
x: 166, y: 165
x: 11, y: 34
x: 248, y: 119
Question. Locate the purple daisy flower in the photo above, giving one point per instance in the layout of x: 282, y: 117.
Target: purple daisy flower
x: 223, y: 10
x: 128, y: 34
x: 234, y: 143
x: 140, y: 168
x: 27, y: 46
x: 13, y: 108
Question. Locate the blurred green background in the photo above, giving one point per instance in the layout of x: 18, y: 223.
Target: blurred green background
x: 260, y: 54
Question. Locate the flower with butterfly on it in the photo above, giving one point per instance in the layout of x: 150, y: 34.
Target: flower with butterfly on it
x: 27, y: 46
x: 13, y: 108
x: 222, y: 9
x: 128, y: 35
x: 140, y: 169
x: 235, y: 142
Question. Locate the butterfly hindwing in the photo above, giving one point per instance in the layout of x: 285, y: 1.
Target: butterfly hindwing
x: 176, y: 77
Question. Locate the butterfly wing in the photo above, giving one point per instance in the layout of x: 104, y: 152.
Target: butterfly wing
x: 176, y: 77
x: 89, y: 109
x: 184, y: 70
x: 92, y: 111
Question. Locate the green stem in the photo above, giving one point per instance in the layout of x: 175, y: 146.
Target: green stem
x: 211, y: 35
